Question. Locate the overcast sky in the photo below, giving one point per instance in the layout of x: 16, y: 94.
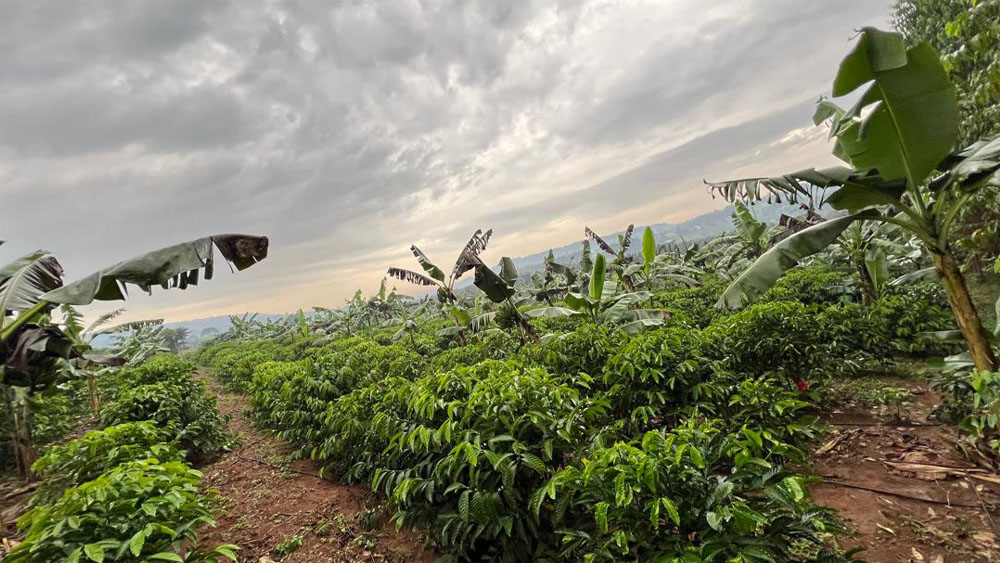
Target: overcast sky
x: 345, y: 131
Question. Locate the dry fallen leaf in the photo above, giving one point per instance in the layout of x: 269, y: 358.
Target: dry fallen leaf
x: 917, y: 556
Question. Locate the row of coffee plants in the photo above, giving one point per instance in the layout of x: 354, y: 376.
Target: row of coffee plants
x: 676, y: 443
x: 125, y: 493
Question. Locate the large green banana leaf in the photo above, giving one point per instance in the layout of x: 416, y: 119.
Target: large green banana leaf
x: 762, y: 274
x: 175, y: 266
x: 906, y: 121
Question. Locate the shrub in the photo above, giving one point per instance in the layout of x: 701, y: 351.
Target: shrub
x: 475, y: 444
x: 779, y: 337
x: 138, y: 511
x: 813, y: 285
x: 982, y: 424
x: 852, y: 332
x: 159, y: 368
x: 58, y: 410
x: 906, y: 314
x: 694, y: 494
x: 770, y: 409
x: 655, y: 373
x: 367, y: 361
x: 694, y: 303
x: 357, y: 430
x: 85, y: 458
x: 181, y: 408
x: 493, y: 346
x: 584, y: 350
x: 288, y: 399
x: 235, y: 367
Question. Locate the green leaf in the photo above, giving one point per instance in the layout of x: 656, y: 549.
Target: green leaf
x: 714, y: 520
x: 166, y: 556
x: 534, y: 462
x: 648, y: 249
x: 762, y: 274
x: 551, y: 312
x: 463, y: 505
x: 495, y: 288
x: 671, y: 509
x: 25, y: 280
x: 597, y: 278
x: 94, y: 552
x: 173, y: 266
x: 875, y: 51
x: 878, y: 268
x: 601, y: 516
x: 911, y: 122
x: 137, y: 541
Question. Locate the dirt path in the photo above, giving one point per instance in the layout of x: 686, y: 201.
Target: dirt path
x: 271, y: 505
x: 924, y: 513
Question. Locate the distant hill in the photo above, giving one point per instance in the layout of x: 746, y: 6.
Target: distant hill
x: 701, y: 227
x: 706, y: 225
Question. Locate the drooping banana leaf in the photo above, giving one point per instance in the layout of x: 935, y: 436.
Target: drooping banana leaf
x: 480, y: 322
x: 175, y: 266
x: 563, y: 270
x: 508, y: 271
x: 129, y: 326
x: 625, y: 240
x: 32, y: 356
x: 410, y: 276
x: 103, y: 319
x: 634, y: 327
x: 878, y: 268
x: 762, y: 274
x: 580, y: 302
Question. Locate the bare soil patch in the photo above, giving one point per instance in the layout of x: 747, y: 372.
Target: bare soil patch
x: 269, y: 502
x: 901, y: 485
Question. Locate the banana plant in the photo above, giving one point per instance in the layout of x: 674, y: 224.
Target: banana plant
x: 499, y: 288
x: 552, y: 282
x: 473, y: 318
x: 620, y: 266
x: 435, y: 276
x: 89, y: 365
x: 602, y: 304
x: 897, y: 141
x: 661, y: 267
x: 32, y: 347
x: 407, y: 319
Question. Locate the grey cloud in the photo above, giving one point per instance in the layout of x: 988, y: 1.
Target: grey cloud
x: 355, y: 127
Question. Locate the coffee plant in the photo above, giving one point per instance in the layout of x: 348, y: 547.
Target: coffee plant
x: 135, y: 512
x: 85, y: 458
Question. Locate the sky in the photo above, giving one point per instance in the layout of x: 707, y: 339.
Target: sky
x: 346, y: 131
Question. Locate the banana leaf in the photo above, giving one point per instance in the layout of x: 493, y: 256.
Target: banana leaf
x: 762, y: 274
x: 175, y: 266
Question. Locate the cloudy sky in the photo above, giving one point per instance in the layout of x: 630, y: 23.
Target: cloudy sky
x: 348, y: 130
